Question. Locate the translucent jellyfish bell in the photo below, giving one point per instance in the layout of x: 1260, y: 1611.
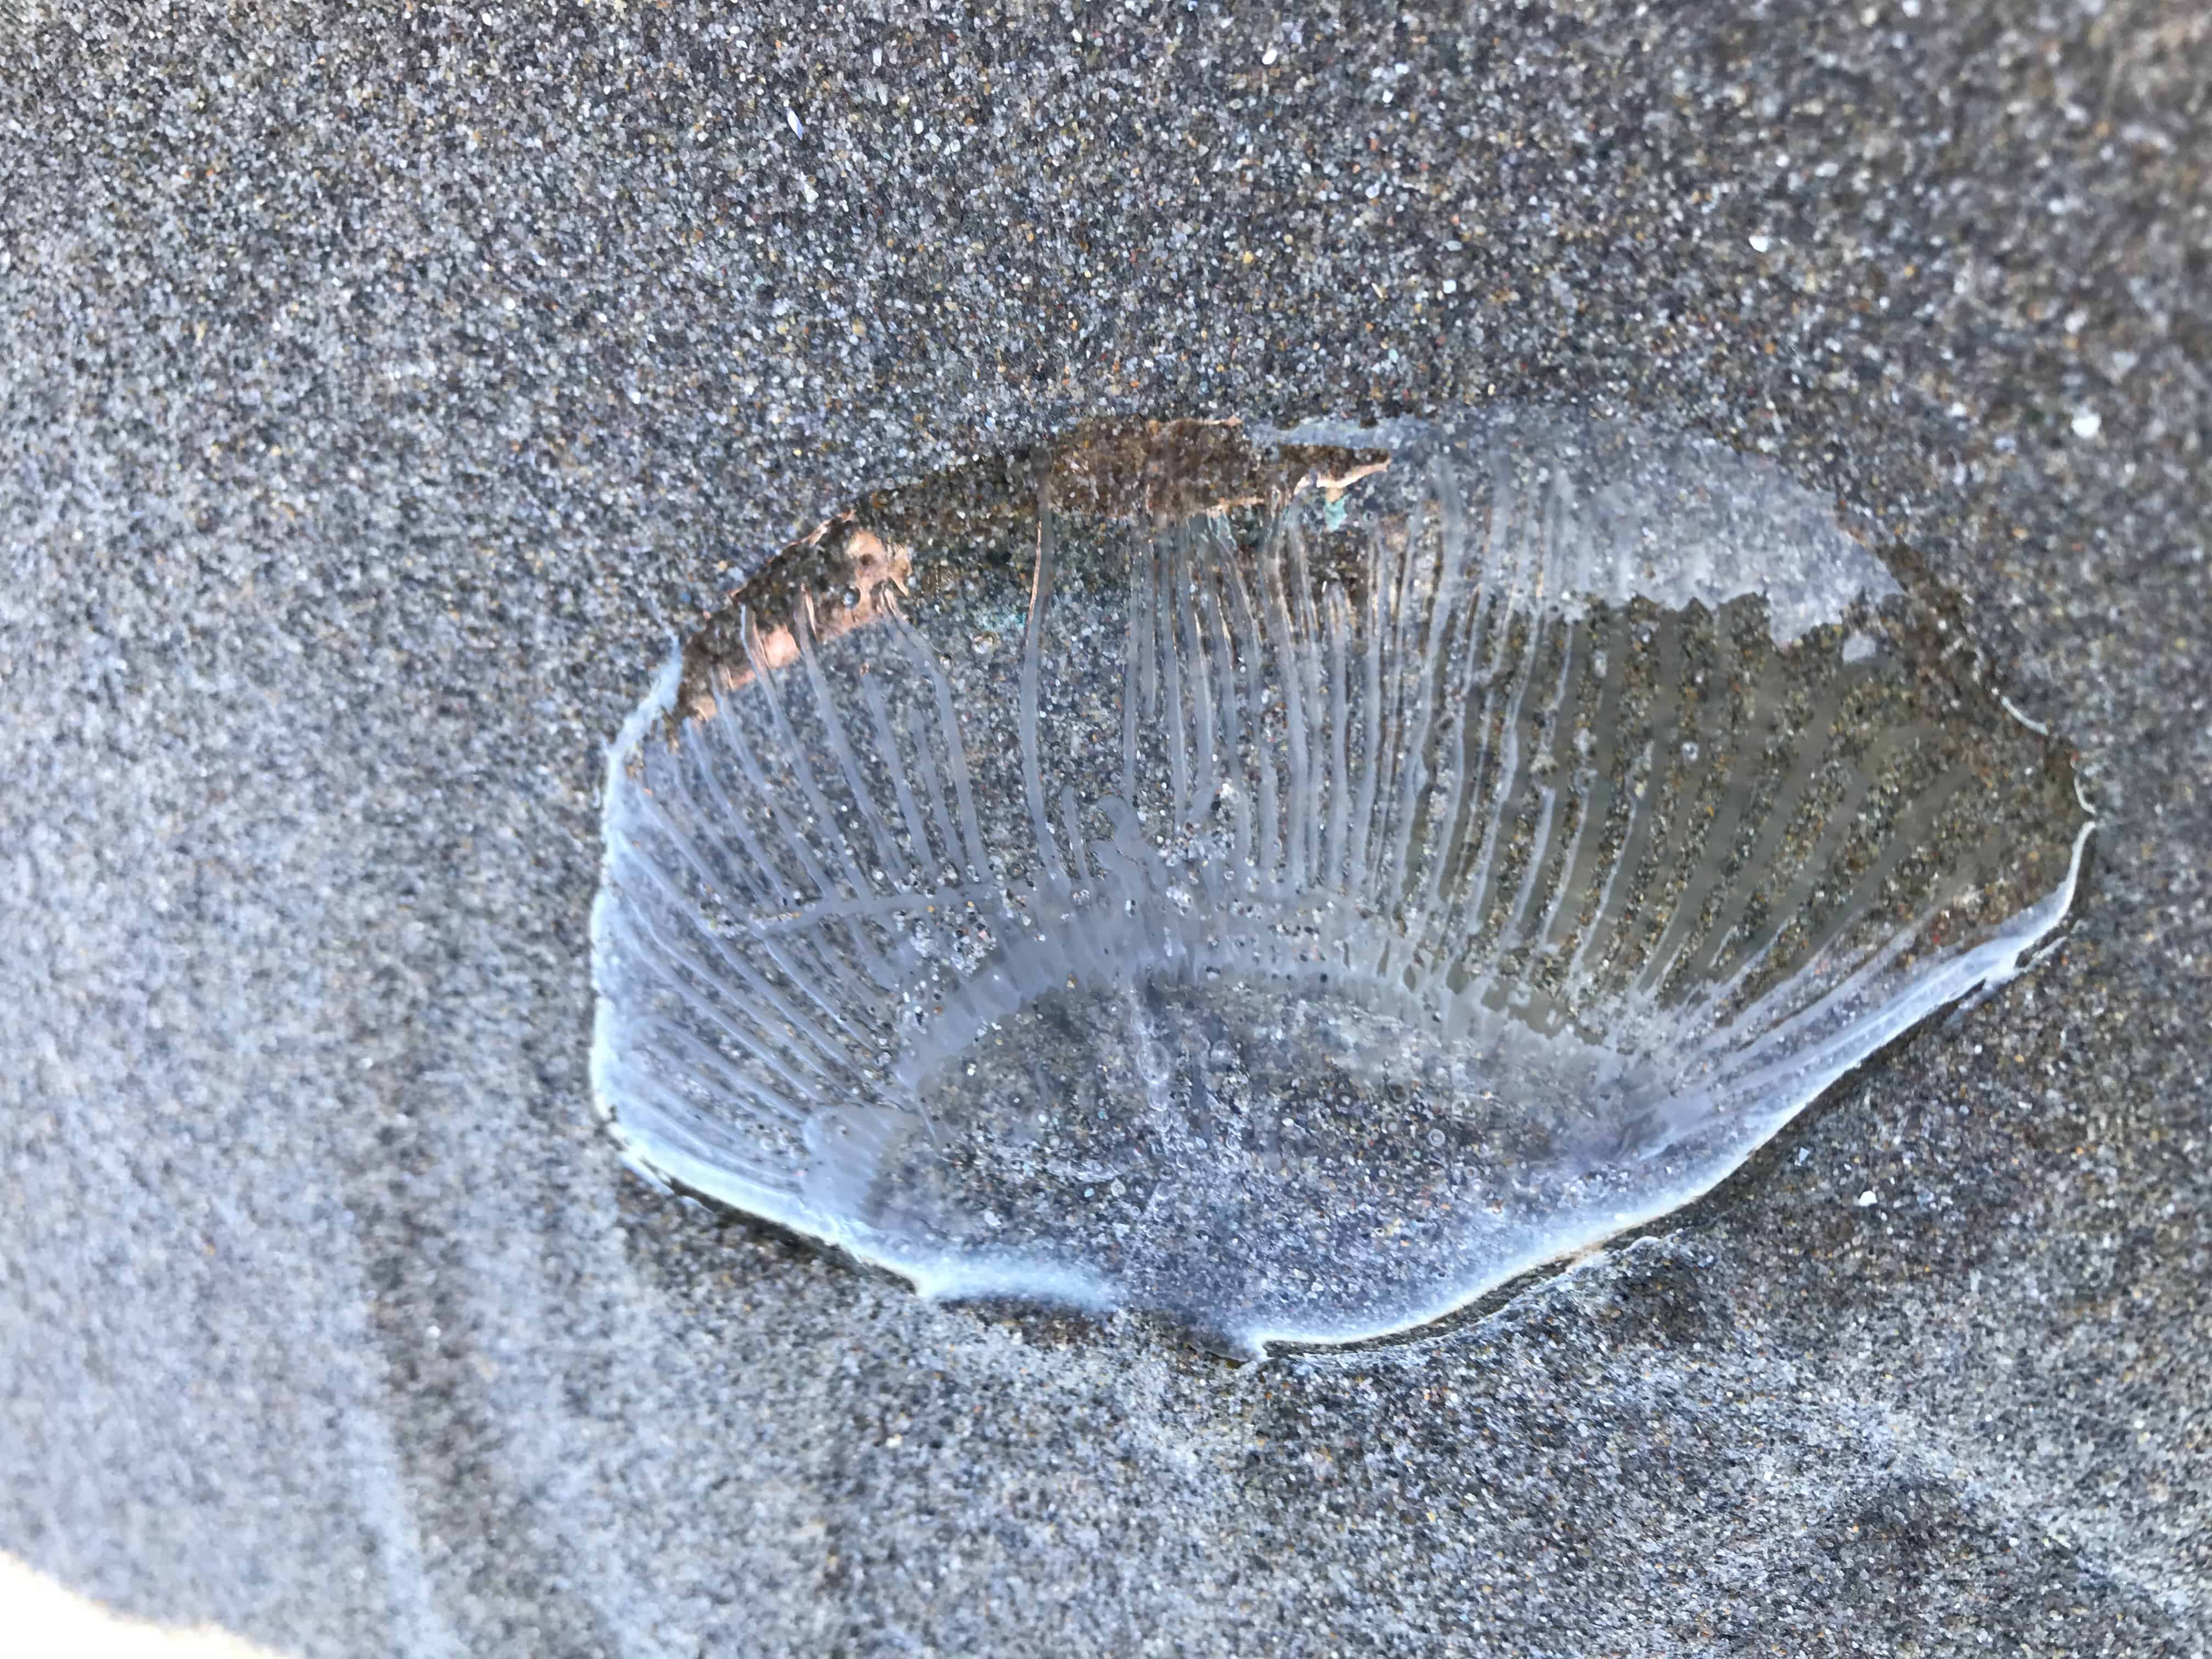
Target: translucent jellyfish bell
x: 1297, y: 881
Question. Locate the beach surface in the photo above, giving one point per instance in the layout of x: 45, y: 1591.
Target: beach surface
x: 382, y: 394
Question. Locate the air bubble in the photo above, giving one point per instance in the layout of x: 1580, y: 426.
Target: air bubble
x: 1570, y: 796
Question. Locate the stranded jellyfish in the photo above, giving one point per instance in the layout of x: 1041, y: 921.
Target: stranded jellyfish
x: 1295, y: 881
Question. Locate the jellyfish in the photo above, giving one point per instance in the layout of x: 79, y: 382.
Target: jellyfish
x: 1295, y: 881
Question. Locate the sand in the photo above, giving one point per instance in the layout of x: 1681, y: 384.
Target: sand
x: 379, y: 397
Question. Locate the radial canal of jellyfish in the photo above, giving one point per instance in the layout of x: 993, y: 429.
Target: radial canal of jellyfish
x: 1297, y: 881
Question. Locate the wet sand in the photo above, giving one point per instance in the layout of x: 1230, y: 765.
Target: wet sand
x: 378, y: 403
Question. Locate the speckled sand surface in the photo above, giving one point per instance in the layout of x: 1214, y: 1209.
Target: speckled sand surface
x: 377, y: 397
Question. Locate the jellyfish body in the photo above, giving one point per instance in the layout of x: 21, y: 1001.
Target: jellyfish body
x: 1298, y: 904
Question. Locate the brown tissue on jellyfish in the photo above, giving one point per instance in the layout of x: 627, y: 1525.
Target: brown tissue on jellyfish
x: 1297, y: 881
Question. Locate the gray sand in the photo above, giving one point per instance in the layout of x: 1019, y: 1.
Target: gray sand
x: 377, y: 402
